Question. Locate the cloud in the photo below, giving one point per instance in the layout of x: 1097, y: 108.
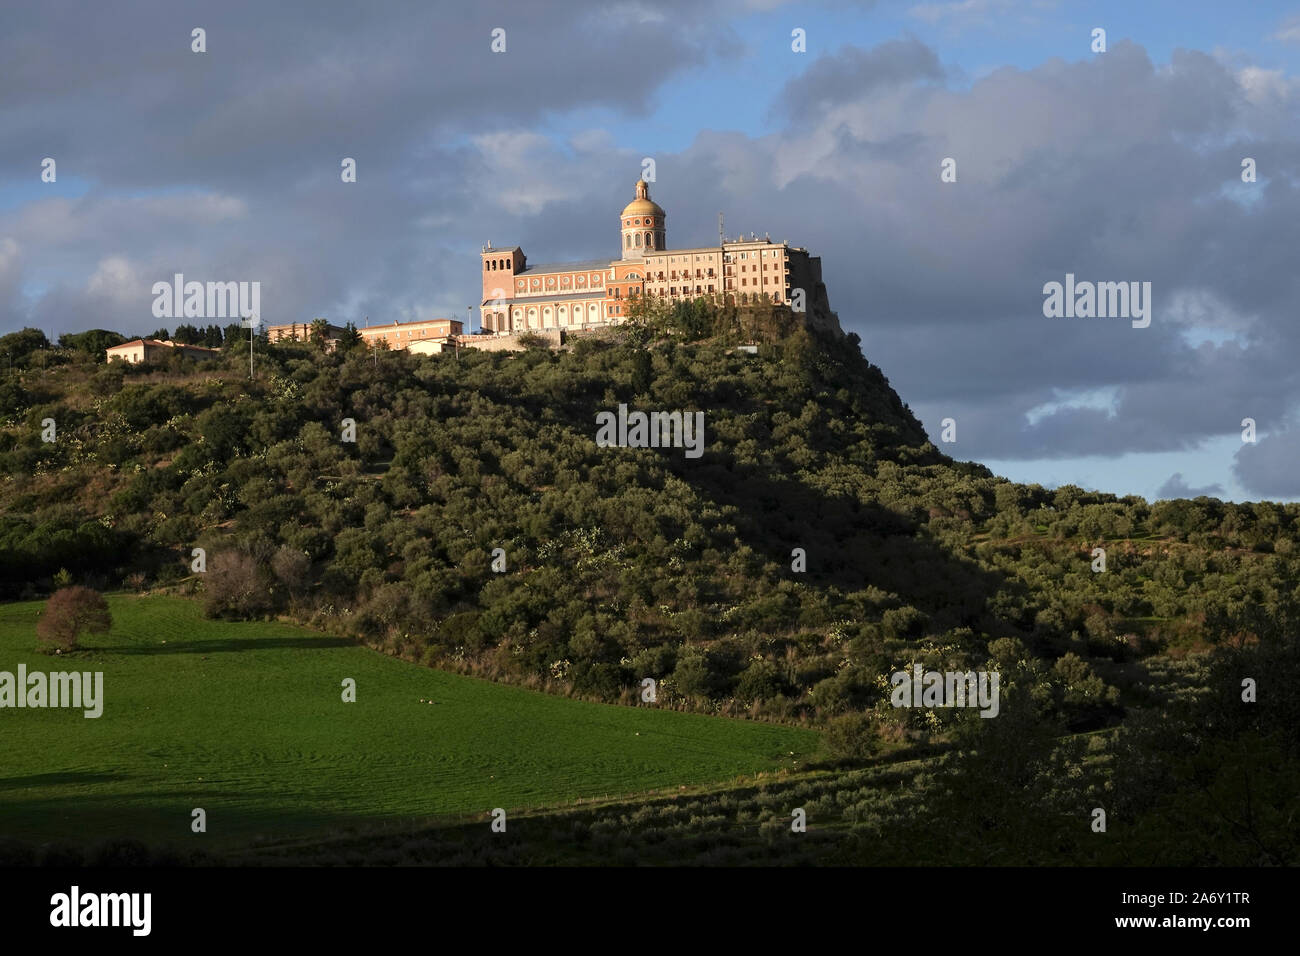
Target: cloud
x: 1175, y: 487
x: 1270, y: 467
x: 1288, y: 30
x: 852, y: 73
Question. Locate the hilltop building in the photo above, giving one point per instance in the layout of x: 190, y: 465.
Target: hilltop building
x: 401, y: 335
x: 518, y: 297
x: 299, y: 332
x: 144, y: 350
x: 394, y: 335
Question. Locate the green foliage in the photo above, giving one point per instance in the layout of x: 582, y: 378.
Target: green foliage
x: 18, y: 348
x: 93, y: 342
x: 853, y: 737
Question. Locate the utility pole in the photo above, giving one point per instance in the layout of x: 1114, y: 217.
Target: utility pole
x: 252, y: 322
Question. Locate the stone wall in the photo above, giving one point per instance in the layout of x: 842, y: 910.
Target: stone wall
x: 554, y: 338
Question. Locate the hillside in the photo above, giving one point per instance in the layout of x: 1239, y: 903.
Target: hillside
x: 622, y: 564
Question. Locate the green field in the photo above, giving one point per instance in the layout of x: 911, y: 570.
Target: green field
x: 246, y: 721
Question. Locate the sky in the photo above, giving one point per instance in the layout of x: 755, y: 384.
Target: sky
x: 1114, y: 165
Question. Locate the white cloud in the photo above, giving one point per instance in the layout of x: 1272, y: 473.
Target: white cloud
x: 118, y: 281
x: 1289, y: 30
x: 523, y: 172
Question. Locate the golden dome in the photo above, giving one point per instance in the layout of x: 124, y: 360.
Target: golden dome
x: 642, y: 205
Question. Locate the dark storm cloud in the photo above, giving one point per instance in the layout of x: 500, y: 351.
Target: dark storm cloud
x: 1270, y: 468
x: 852, y: 72
x: 1112, y: 170
x: 116, y: 94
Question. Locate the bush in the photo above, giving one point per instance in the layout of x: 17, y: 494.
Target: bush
x: 852, y: 737
x: 760, y: 681
x: 70, y: 613
x: 236, y: 586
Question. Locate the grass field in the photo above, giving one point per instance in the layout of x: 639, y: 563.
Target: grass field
x: 246, y: 721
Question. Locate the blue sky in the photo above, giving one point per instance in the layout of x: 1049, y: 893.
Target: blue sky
x: 1121, y: 165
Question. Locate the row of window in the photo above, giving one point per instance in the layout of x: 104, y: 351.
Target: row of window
x: 564, y: 281
x: 686, y: 274
x: 755, y: 254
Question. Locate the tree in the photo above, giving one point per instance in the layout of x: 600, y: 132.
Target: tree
x: 236, y: 586
x: 320, y: 333
x: 93, y: 342
x: 70, y: 613
x: 853, y: 736
x: 162, y: 335
x: 350, y: 337
x: 16, y: 348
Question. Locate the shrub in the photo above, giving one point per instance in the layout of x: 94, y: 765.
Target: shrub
x: 70, y: 613
x: 760, y: 681
x: 235, y: 586
x: 852, y: 737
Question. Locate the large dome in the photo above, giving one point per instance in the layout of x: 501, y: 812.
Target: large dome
x: 642, y: 205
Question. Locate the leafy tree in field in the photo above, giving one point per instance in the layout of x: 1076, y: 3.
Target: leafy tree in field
x: 70, y: 613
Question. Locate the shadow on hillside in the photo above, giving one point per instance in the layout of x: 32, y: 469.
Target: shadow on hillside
x: 851, y: 545
x: 223, y: 646
x: 62, y: 778
x: 161, y: 819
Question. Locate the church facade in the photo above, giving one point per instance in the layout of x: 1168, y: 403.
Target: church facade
x: 519, y: 297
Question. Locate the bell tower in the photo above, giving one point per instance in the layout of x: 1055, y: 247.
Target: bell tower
x: 641, y: 224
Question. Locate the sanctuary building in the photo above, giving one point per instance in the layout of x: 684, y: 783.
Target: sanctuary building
x: 519, y: 297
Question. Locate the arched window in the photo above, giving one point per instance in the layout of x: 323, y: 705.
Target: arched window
x: 638, y: 238
x: 649, y: 240
x: 629, y: 241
